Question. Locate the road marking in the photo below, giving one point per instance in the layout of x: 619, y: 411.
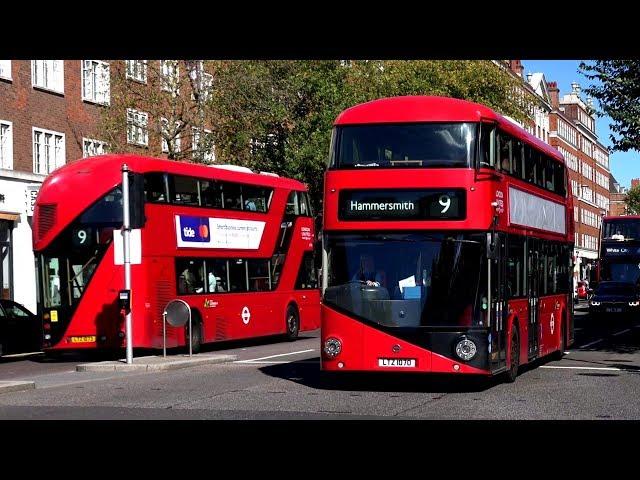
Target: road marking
x: 584, y: 368
x: 18, y: 355
x: 592, y: 343
x: 620, y: 333
x: 274, y: 356
x: 275, y: 362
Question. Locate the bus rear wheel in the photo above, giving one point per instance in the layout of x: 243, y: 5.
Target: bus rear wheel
x: 293, y: 323
x: 514, y: 362
x: 196, y: 336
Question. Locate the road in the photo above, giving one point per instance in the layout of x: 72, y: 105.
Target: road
x: 599, y: 378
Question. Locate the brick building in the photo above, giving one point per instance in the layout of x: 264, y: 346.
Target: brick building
x: 572, y: 132
x: 618, y: 193
x: 49, y: 113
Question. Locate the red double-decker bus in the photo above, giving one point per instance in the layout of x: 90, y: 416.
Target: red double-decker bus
x: 447, y: 241
x: 236, y: 246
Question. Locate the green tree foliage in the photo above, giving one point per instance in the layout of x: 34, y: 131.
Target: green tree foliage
x: 633, y: 201
x: 617, y: 87
x: 278, y: 115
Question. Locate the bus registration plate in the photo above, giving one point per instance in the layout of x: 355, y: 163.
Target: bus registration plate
x: 397, y: 362
x: 85, y: 339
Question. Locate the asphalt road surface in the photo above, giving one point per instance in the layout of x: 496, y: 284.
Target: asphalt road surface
x: 599, y: 378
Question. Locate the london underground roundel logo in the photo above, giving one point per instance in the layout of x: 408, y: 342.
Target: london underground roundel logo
x: 246, y: 315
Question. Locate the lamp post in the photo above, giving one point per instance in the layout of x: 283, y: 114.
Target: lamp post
x: 126, y: 240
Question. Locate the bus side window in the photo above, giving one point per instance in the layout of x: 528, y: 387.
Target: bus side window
x: 550, y: 174
x: 155, y: 187
x: 238, y: 276
x: 293, y: 207
x: 516, y: 159
x: 487, y: 145
x: 217, y: 278
x: 256, y: 199
x: 184, y: 190
x: 560, y: 187
x: 190, y: 276
x: 210, y: 194
x: 232, y: 195
x: 504, y: 152
x: 529, y: 164
x: 259, y: 275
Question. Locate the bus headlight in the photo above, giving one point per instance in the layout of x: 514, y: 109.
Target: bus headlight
x: 332, y: 347
x: 595, y: 304
x: 466, y: 349
x: 634, y: 304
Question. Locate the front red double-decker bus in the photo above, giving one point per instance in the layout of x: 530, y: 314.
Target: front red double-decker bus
x: 447, y: 241
x: 236, y: 246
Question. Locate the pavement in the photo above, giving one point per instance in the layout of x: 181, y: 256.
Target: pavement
x: 144, y: 364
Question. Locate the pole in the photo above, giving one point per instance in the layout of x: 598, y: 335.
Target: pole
x: 126, y: 232
x: 164, y: 334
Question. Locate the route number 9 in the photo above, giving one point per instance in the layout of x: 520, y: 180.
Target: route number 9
x: 82, y: 237
x: 445, y: 202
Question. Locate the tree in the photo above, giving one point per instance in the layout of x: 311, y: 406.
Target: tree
x: 617, y: 89
x: 278, y: 115
x: 173, y: 94
x: 633, y: 200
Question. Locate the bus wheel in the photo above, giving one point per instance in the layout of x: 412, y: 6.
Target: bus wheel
x: 514, y: 363
x: 293, y: 323
x: 196, y: 336
x: 557, y: 355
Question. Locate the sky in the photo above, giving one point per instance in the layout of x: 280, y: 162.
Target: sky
x: 623, y: 165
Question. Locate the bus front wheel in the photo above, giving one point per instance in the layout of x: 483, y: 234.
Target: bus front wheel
x: 293, y: 323
x: 196, y: 336
x: 514, y: 362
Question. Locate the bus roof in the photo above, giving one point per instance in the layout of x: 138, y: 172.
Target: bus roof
x: 413, y: 109
x: 621, y: 217
x: 112, y: 163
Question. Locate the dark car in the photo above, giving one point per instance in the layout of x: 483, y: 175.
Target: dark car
x: 615, y: 298
x: 20, y: 330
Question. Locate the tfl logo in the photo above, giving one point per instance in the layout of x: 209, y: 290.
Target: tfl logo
x: 194, y: 229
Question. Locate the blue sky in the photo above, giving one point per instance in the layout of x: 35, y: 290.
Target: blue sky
x: 623, y: 165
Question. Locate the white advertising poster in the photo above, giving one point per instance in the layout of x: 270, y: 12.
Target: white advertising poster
x: 135, y: 254
x: 208, y: 232
x: 532, y: 211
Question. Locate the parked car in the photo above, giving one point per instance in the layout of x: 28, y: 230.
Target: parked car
x: 615, y: 299
x: 20, y: 330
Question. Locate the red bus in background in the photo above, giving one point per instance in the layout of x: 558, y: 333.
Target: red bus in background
x: 620, y: 249
x: 237, y: 246
x: 447, y: 241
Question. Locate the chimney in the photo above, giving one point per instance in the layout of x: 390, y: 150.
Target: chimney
x: 635, y: 182
x: 554, y: 93
x: 575, y: 88
x: 516, y: 67
x: 529, y: 75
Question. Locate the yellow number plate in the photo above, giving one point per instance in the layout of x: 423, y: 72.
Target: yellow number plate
x: 87, y: 339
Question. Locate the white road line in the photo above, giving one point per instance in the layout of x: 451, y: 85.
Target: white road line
x: 584, y: 368
x: 272, y: 362
x: 620, y: 333
x: 18, y: 355
x: 592, y: 343
x: 274, y: 356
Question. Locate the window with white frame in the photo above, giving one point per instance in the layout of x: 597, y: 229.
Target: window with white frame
x: 587, y: 193
x: 202, y: 145
x: 576, y: 239
x: 567, y: 132
x: 166, y: 133
x: 574, y: 188
x: 601, y: 157
x: 137, y: 70
x: 91, y: 148
x: 570, y: 159
x: 587, y: 147
x: 48, y: 74
x: 48, y: 151
x: 95, y: 81
x: 5, y: 69
x: 203, y: 81
x: 137, y: 127
x: 587, y: 170
x: 6, y: 144
x: 576, y: 217
x: 170, y: 71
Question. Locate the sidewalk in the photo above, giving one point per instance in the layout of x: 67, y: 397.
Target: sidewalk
x: 142, y: 364
x: 15, y: 386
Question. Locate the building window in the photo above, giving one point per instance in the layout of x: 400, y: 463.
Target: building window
x: 169, y: 75
x: 91, y: 148
x: 203, y: 81
x: 137, y: 127
x: 48, y: 151
x: 48, y: 74
x: 137, y: 70
x: 202, y: 146
x: 95, y: 81
x: 6, y: 144
x: 173, y: 136
x: 5, y: 69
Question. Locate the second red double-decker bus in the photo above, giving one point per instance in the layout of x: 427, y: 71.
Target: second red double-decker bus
x: 447, y: 241
x: 236, y: 246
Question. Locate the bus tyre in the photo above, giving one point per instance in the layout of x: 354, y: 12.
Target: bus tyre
x: 196, y: 336
x: 514, y: 361
x: 292, y: 323
x: 557, y: 355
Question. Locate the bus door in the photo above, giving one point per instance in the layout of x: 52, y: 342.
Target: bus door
x: 533, y: 282
x: 499, y: 307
